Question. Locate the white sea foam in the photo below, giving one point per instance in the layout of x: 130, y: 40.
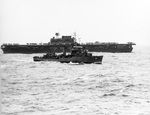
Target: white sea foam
x: 118, y: 86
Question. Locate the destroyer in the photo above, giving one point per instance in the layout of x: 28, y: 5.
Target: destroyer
x: 78, y: 55
x: 57, y: 43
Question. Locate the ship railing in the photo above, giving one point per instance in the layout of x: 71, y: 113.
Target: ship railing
x: 89, y: 43
x: 61, y: 43
x: 45, y: 43
x: 131, y: 43
x: 4, y: 44
x: 16, y: 44
x: 108, y: 43
x: 32, y: 44
x: 105, y: 42
x: 9, y: 44
x: 40, y: 43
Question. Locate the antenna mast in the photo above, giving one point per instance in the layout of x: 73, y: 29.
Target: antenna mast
x: 57, y: 35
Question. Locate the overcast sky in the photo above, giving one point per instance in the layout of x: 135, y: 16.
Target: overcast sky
x: 25, y: 21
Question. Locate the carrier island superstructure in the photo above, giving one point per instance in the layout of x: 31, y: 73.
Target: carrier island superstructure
x: 58, y: 43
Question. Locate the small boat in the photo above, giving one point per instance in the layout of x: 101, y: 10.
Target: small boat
x: 78, y: 55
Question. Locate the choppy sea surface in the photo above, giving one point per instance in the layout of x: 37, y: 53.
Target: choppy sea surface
x: 118, y: 86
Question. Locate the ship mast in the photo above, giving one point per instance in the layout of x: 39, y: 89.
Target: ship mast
x: 57, y: 35
x: 75, y: 36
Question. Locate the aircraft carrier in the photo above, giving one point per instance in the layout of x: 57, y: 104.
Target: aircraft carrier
x: 58, y: 43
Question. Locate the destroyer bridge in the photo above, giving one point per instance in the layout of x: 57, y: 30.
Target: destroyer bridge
x: 58, y: 43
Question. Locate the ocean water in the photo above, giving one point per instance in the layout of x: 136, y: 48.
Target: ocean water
x: 118, y: 86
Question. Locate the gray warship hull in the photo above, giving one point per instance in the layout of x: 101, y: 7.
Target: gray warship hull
x: 28, y: 49
x: 57, y: 44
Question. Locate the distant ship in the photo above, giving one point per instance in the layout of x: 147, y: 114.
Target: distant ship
x: 78, y: 54
x: 58, y: 43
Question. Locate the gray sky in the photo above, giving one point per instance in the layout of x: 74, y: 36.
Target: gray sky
x: 25, y: 21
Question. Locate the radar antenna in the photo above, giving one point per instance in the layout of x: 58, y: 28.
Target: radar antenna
x: 75, y: 36
x: 57, y: 35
